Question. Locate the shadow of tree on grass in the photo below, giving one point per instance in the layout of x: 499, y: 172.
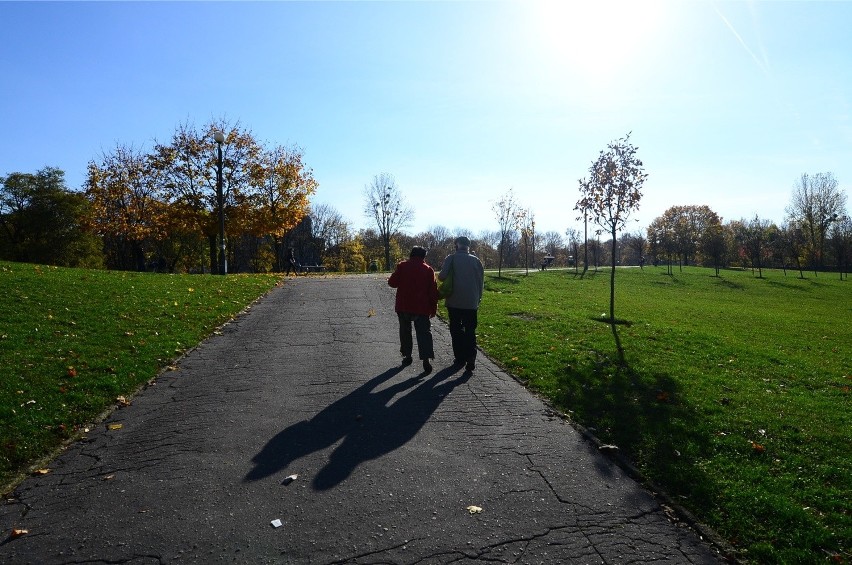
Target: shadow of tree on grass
x: 644, y: 415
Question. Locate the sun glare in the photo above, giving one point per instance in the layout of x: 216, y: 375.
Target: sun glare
x: 595, y: 38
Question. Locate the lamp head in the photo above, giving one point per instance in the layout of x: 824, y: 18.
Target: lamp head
x: 219, y: 137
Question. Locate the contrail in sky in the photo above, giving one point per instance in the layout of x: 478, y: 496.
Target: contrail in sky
x: 760, y: 63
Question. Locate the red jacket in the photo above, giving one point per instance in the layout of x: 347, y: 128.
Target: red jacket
x: 417, y: 291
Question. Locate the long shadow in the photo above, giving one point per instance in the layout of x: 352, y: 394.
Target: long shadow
x: 730, y: 284
x: 643, y: 415
x: 368, y: 426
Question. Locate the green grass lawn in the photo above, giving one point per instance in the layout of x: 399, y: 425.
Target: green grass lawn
x: 735, y: 394
x: 73, y: 341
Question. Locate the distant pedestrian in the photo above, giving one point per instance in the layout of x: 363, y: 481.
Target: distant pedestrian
x: 463, y: 303
x: 416, y: 303
x: 291, y: 262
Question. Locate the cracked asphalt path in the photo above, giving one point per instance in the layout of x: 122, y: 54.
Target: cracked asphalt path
x: 307, y: 382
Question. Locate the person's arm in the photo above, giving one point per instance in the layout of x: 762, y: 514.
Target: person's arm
x: 433, y: 294
x: 393, y: 280
x: 445, y: 268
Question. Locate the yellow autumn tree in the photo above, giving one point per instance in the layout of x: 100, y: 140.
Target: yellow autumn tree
x: 186, y: 173
x: 126, y: 209
x: 281, y: 188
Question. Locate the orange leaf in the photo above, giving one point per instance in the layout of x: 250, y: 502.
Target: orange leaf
x: 757, y: 447
x: 18, y: 532
x: 72, y: 372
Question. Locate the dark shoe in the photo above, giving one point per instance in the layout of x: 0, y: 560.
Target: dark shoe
x: 407, y: 361
x: 427, y: 366
x: 470, y: 366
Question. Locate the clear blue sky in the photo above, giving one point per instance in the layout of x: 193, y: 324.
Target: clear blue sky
x: 729, y: 102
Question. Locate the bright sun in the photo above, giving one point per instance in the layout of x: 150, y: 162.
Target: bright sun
x: 595, y: 38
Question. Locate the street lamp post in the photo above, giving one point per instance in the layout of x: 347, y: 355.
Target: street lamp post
x: 219, y: 137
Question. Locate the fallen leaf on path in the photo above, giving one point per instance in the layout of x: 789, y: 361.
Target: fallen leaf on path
x: 371, y: 312
x: 276, y: 523
x: 122, y: 401
x: 474, y: 509
x: 115, y: 426
x: 18, y: 532
x: 41, y: 471
x: 290, y: 479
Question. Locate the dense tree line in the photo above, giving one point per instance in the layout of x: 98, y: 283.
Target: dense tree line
x: 157, y: 210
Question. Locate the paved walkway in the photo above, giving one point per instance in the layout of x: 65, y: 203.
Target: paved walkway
x: 389, y: 461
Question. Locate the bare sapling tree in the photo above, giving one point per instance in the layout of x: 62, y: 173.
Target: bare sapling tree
x: 582, y: 207
x: 817, y: 202
x: 612, y: 192
x: 505, y: 210
x: 387, y: 208
x: 573, y: 236
x: 525, y: 222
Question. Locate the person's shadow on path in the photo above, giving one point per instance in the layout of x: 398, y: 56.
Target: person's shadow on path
x: 368, y: 426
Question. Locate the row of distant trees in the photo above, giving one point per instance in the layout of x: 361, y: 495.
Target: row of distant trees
x: 816, y: 234
x: 42, y: 221
x: 157, y: 210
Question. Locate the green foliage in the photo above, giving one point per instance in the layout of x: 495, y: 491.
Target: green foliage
x: 73, y: 341
x: 735, y: 395
x: 41, y: 221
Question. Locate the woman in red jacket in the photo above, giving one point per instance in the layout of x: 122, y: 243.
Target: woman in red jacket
x: 416, y: 303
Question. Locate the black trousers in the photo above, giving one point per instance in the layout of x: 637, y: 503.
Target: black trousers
x: 423, y: 329
x: 463, y: 333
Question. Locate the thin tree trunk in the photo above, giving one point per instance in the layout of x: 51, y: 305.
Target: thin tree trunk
x: 612, y: 282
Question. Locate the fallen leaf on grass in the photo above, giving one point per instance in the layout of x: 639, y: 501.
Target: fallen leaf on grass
x: 474, y: 509
x: 757, y: 448
x: 122, y: 401
x: 72, y: 372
